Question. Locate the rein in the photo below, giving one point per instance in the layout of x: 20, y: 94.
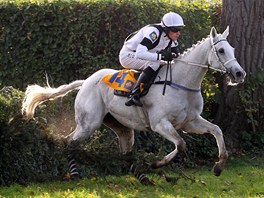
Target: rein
x: 165, y: 82
x: 168, y: 49
x: 208, y: 66
x: 222, y: 70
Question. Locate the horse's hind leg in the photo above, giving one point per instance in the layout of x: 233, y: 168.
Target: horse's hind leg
x: 72, y: 141
x: 201, y: 126
x: 87, y: 123
x: 126, y: 141
x: 125, y: 135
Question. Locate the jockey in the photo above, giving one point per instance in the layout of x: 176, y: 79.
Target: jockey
x: 144, y: 50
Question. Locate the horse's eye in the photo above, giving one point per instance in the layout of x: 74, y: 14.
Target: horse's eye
x: 221, y: 51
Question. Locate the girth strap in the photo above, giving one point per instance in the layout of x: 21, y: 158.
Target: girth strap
x: 174, y: 85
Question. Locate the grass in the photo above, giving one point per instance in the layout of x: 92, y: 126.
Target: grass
x: 243, y: 177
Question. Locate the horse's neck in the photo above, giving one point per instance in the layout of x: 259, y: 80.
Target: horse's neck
x: 189, y: 75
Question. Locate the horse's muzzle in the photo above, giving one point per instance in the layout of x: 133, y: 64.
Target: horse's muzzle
x: 237, y: 74
x: 240, y: 76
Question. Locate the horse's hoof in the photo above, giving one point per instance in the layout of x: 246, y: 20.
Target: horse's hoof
x: 217, y: 170
x: 147, y: 182
x: 172, y: 180
x: 154, y: 165
x: 158, y: 164
x: 75, y: 177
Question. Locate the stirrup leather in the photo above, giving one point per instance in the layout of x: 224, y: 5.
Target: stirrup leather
x: 134, y: 100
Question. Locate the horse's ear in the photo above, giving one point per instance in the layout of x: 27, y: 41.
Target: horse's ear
x: 213, y: 34
x: 226, y: 32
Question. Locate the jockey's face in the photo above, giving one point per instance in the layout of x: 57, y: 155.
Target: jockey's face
x: 174, y: 35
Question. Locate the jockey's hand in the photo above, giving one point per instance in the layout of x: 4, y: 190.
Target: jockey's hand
x: 165, y: 55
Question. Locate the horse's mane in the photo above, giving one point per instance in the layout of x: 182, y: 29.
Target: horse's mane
x: 187, y: 51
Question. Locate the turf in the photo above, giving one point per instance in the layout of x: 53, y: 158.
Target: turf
x: 243, y: 177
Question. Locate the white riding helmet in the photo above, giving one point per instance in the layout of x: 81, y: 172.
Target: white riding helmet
x: 172, y: 19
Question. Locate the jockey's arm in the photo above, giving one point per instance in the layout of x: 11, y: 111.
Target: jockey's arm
x: 150, y: 36
x: 142, y: 52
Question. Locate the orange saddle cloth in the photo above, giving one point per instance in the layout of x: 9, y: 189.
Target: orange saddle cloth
x: 123, y: 80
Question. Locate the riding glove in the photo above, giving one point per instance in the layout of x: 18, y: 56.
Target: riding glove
x: 165, y: 55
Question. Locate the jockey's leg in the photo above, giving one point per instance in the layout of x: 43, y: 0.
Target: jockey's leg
x: 145, y: 77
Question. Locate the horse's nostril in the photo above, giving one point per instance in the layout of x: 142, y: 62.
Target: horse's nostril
x: 239, y: 74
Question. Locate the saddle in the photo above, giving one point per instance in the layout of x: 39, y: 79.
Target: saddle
x: 124, y: 80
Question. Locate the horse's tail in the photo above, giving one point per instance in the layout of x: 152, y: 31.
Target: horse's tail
x: 35, y: 95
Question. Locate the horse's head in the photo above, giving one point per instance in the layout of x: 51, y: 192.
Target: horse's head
x: 222, y: 57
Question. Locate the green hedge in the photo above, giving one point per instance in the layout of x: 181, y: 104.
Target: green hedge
x: 33, y: 150
x: 70, y: 40
x: 27, y: 153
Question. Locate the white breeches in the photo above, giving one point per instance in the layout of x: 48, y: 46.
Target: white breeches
x: 128, y: 60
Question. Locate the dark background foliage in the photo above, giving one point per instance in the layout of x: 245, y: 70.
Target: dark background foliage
x: 72, y: 40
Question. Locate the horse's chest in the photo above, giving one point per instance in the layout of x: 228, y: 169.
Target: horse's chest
x: 185, y: 112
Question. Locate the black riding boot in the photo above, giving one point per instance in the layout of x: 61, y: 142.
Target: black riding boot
x: 145, y: 77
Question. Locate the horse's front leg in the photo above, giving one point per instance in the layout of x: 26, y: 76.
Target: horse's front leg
x: 201, y: 126
x: 166, y: 129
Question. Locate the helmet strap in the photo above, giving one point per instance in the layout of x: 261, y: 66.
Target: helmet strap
x: 166, y: 29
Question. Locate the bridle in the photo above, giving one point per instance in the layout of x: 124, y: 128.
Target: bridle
x: 213, y: 52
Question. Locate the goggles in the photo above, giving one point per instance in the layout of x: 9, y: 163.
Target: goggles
x: 175, y: 29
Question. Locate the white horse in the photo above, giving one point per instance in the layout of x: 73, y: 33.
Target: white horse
x: 179, y: 108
